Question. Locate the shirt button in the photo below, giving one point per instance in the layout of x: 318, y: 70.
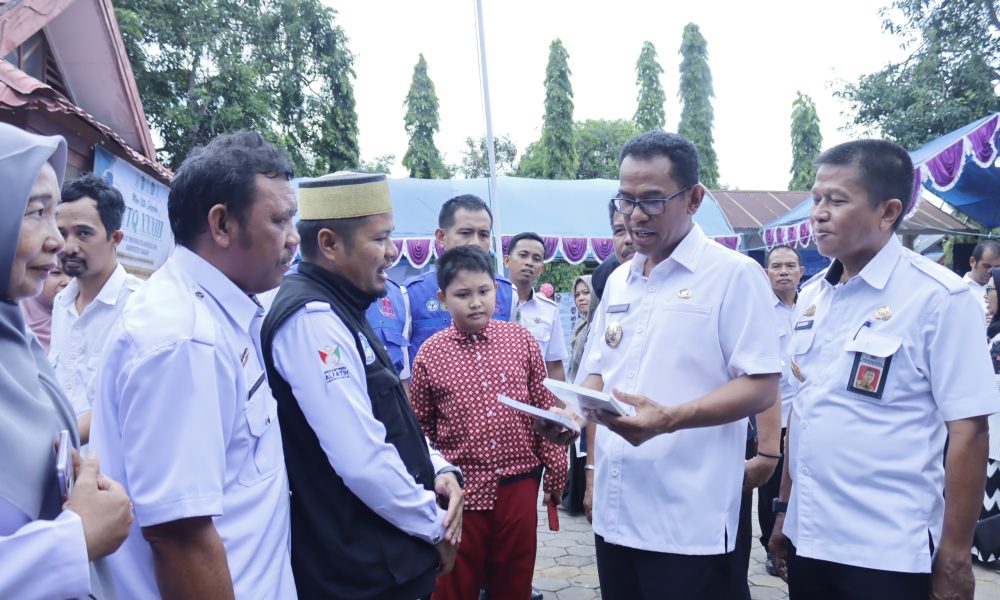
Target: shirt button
x: 494, y: 443
x: 829, y: 338
x: 489, y: 413
x: 499, y: 471
x: 631, y: 374
x: 614, y: 472
x: 486, y: 384
x: 804, y: 471
x: 651, y: 289
x: 805, y: 425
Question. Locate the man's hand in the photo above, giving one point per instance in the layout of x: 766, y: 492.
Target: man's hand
x: 951, y: 576
x: 779, y: 547
x: 450, y: 496
x: 588, y: 496
x: 447, y: 551
x: 757, y: 471
x: 102, y: 505
x: 650, y: 419
x: 557, y: 434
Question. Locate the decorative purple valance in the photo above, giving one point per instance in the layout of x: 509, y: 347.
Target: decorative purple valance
x: 729, y: 241
x: 505, y: 243
x: 574, y: 249
x: 438, y: 248
x: 602, y: 247
x: 399, y: 251
x: 983, y: 142
x: 946, y: 167
x: 418, y: 252
x: 551, y: 245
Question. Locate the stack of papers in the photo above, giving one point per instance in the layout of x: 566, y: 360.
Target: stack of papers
x: 540, y: 413
x: 580, y: 399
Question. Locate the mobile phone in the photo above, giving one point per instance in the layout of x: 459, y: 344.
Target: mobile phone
x: 64, y: 464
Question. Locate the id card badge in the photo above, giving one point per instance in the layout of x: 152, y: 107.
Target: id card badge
x: 868, y: 375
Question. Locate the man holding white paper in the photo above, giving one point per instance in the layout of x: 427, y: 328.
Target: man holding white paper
x: 687, y: 340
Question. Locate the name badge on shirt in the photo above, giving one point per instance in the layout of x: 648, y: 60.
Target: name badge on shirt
x: 618, y: 308
x: 868, y: 375
x: 804, y: 325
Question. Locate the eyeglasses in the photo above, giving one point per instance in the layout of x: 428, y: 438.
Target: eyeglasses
x: 627, y: 206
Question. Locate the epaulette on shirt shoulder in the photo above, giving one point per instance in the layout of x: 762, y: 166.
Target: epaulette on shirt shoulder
x: 504, y: 279
x: 814, y: 279
x: 545, y: 298
x: 317, y: 306
x: 416, y: 279
x: 953, y: 283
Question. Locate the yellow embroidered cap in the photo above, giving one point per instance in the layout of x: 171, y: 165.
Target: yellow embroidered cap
x: 343, y: 195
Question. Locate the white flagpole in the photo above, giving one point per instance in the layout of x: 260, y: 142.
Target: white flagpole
x: 490, y: 151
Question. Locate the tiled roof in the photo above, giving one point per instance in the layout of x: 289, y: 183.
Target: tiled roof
x: 752, y: 210
x: 20, y: 91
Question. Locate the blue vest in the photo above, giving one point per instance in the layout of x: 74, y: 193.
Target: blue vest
x: 428, y: 317
x: 387, y: 316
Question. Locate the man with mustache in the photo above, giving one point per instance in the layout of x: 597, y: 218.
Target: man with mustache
x: 365, y: 517
x: 90, y: 220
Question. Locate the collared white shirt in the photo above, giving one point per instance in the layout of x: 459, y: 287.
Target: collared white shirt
x: 42, y: 559
x: 785, y: 316
x: 541, y: 316
x: 77, y: 339
x: 886, y: 362
x: 979, y: 291
x: 333, y: 395
x: 702, y: 318
x: 185, y: 420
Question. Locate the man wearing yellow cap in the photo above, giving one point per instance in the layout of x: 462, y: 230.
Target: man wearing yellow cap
x: 366, y: 519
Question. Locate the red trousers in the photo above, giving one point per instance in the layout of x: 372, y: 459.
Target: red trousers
x: 498, y: 548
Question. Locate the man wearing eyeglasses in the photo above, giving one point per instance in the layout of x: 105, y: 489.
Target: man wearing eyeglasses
x: 687, y: 339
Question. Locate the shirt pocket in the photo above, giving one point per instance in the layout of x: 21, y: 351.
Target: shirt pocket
x: 871, y: 364
x: 264, y: 445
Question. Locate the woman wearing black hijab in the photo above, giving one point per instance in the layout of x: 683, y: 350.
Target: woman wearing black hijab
x: 49, y: 546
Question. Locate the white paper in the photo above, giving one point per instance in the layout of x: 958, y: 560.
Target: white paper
x: 541, y: 413
x: 580, y: 399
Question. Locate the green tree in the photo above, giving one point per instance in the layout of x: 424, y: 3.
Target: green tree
x: 598, y: 144
x: 279, y: 67
x: 380, y: 164
x: 560, y: 274
x: 422, y: 157
x: 696, y: 95
x: 948, y: 80
x: 559, y: 159
x: 476, y: 163
x: 530, y: 164
x: 649, y: 114
x: 807, y: 142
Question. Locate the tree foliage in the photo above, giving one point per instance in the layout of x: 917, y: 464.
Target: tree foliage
x: 475, y: 161
x: 561, y: 275
x: 649, y: 114
x: 598, y: 144
x: 380, y: 164
x: 807, y: 142
x: 948, y: 80
x: 696, y: 93
x: 208, y: 67
x: 422, y: 157
x: 559, y: 159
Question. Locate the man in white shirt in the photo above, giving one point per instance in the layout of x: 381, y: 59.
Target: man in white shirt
x: 525, y: 260
x: 687, y: 338
x: 90, y: 220
x: 184, y: 415
x: 785, y: 270
x: 985, y: 256
x: 880, y: 350
x: 365, y: 516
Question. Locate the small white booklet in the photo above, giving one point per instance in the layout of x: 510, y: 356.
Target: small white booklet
x: 579, y: 398
x: 540, y: 413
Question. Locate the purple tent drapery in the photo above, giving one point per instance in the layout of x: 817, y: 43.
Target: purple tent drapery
x: 438, y: 248
x: 729, y: 241
x: 574, y: 249
x: 946, y: 167
x: 602, y: 247
x: 984, y: 150
x: 418, y: 252
x: 504, y: 242
x: 399, y: 251
x: 551, y: 245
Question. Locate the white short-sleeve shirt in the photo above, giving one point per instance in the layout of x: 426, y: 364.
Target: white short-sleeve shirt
x: 785, y: 316
x: 703, y: 317
x: 185, y: 420
x: 884, y: 361
x: 77, y: 339
x: 541, y: 316
x: 40, y: 558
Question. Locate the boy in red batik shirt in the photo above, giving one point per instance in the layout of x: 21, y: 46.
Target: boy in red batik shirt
x: 457, y: 375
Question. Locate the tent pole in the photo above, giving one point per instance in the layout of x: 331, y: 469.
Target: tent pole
x: 490, y: 151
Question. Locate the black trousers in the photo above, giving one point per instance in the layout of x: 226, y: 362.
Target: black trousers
x: 811, y: 579
x: 765, y: 494
x: 739, y: 558
x: 630, y: 574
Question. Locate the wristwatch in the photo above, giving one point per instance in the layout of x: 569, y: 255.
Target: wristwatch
x: 777, y: 506
x: 456, y: 471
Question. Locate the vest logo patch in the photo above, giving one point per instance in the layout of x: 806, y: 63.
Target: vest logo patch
x: 387, y: 309
x: 330, y: 355
x: 369, y: 353
x: 432, y: 304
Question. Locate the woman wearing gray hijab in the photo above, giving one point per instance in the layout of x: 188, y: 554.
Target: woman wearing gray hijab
x: 50, y: 546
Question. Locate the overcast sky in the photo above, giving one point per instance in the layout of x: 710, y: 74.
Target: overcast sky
x: 760, y: 54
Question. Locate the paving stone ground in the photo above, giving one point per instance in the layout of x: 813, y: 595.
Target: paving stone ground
x: 565, y: 568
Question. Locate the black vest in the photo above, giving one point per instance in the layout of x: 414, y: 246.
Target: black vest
x: 340, y: 547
